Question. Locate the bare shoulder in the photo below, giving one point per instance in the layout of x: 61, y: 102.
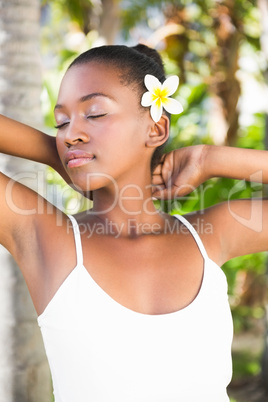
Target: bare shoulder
x: 23, y: 213
x: 39, y: 237
x: 207, y: 225
x: 51, y: 257
x: 234, y: 228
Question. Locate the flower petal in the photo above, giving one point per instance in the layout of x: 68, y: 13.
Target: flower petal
x: 156, y: 111
x: 152, y: 83
x: 172, y: 106
x: 171, y: 84
x: 147, y: 99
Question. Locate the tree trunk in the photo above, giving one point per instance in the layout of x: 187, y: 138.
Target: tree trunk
x: 24, y: 374
x: 103, y: 17
x: 109, y: 21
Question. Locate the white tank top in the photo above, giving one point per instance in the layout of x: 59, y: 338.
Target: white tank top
x: 100, y: 351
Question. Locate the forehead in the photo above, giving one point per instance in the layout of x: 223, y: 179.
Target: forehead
x: 81, y: 80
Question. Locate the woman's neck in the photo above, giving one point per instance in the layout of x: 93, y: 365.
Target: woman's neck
x: 129, y: 211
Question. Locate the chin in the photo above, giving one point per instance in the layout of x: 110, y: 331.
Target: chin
x: 93, y: 181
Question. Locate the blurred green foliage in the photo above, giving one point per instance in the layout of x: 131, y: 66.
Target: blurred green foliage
x: 245, y: 365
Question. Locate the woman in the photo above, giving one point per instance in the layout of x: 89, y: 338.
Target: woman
x: 133, y: 306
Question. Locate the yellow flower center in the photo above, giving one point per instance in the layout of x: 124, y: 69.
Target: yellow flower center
x: 160, y: 95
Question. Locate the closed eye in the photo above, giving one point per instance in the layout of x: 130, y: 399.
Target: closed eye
x: 59, y: 126
x: 96, y: 116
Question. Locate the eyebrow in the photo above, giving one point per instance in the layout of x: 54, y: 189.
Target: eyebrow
x: 86, y: 98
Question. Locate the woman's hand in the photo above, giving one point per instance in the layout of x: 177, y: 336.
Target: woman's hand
x: 180, y: 172
x: 183, y: 170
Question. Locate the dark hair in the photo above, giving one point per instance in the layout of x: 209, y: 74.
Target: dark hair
x: 133, y: 63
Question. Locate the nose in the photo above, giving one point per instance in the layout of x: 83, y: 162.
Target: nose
x: 75, y: 133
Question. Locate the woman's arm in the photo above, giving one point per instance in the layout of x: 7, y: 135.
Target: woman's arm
x: 20, y: 140
x: 183, y: 170
x: 237, y: 163
x: 238, y: 227
x: 27, y: 219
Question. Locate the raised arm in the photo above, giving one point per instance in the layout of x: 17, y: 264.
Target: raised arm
x: 238, y: 227
x: 184, y: 169
x: 20, y: 140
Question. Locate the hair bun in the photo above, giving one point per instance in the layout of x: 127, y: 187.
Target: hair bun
x: 152, y: 53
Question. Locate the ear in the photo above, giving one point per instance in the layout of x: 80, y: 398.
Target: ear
x: 159, y: 133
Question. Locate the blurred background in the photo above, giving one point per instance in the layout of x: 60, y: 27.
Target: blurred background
x: 219, y: 49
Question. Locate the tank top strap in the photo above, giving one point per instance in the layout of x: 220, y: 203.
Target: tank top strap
x: 77, y: 238
x: 194, y: 234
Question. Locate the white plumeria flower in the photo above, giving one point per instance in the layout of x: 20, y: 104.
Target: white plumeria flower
x: 158, y: 96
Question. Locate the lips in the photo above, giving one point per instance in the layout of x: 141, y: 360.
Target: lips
x: 78, y: 158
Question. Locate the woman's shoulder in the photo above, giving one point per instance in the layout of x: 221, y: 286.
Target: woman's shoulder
x: 48, y: 256
x: 209, y: 224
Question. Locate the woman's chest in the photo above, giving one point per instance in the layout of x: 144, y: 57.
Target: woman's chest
x: 149, y: 275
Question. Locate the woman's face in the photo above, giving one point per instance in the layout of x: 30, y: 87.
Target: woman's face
x: 102, y: 128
